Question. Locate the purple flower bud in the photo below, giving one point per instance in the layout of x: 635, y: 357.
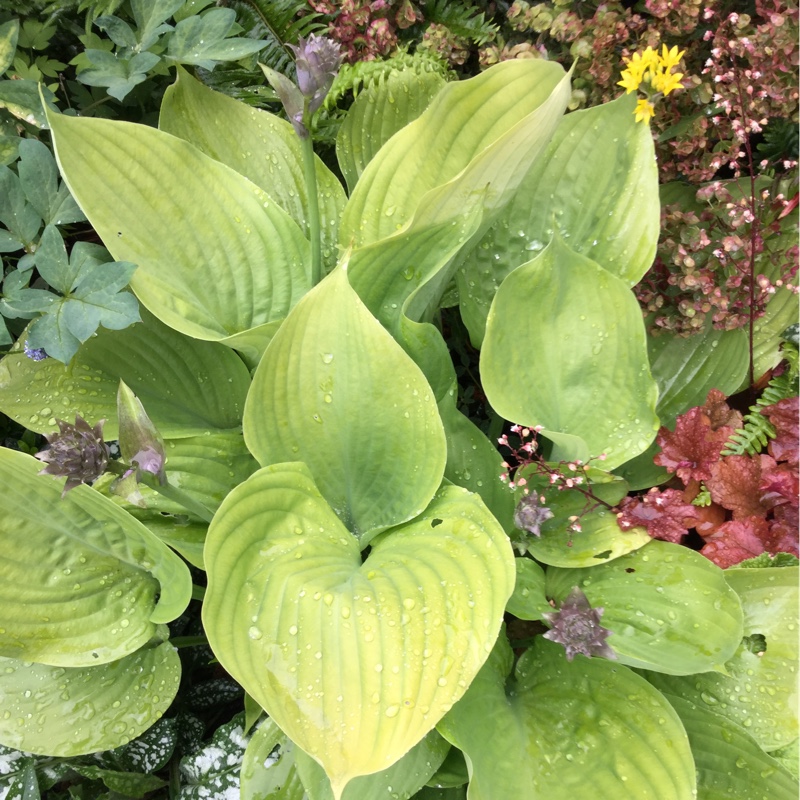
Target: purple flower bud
x: 318, y: 60
x: 35, y: 353
x: 77, y: 452
x: 140, y: 443
x: 530, y: 514
x: 576, y: 625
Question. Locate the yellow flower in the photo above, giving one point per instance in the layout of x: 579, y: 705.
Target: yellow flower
x: 655, y: 72
x: 644, y: 110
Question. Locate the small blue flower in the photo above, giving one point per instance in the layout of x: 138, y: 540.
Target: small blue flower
x: 35, y: 353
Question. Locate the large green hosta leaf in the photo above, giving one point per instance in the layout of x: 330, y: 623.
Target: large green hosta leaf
x: 216, y: 255
x: 589, y: 729
x: 597, y: 184
x: 759, y: 691
x: 79, y: 577
x: 188, y: 387
x: 335, y: 391
x: 475, y: 134
x: 79, y: 710
x: 380, y: 110
x: 355, y: 661
x: 669, y: 608
x: 729, y: 762
x: 565, y: 349
x: 262, y: 147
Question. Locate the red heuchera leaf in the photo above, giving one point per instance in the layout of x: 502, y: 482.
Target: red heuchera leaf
x: 784, y: 530
x: 734, y: 483
x: 784, y: 416
x: 779, y: 484
x: 665, y: 514
x: 694, y: 446
x: 736, y: 540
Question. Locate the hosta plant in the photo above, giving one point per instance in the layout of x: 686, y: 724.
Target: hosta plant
x: 358, y: 560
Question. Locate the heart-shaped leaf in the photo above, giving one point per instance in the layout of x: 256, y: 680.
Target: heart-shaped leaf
x: 335, y: 391
x: 262, y: 147
x: 596, y: 183
x: 80, y: 710
x: 669, y: 608
x: 759, y: 691
x: 565, y: 349
x: 78, y: 576
x: 186, y: 386
x: 215, y: 254
x: 559, y: 729
x: 355, y: 661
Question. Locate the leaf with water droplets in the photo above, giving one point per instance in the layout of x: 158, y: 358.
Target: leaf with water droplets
x: 268, y: 769
x: 355, y: 661
x: 565, y: 349
x: 729, y: 761
x: 187, y: 386
x: 597, y: 182
x: 558, y: 729
x: 72, y: 711
x: 759, y: 690
x: 262, y: 147
x: 79, y: 576
x: 668, y: 608
x: 209, y: 269
x: 327, y: 393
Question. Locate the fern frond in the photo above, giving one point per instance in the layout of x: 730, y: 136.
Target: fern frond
x: 363, y: 74
x: 757, y: 430
x: 463, y: 19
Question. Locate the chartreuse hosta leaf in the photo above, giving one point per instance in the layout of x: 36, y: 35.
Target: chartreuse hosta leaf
x: 529, y: 600
x: 355, y: 661
x: 728, y: 760
x: 562, y: 730
x: 216, y: 255
x: 668, y: 607
x: 73, y: 711
x: 600, y: 539
x: 759, y: 691
x: 511, y: 109
x: 335, y: 391
x: 79, y: 577
x: 260, y: 146
x: 187, y: 387
x: 400, y: 781
x: 565, y: 349
x: 596, y: 183
x: 687, y: 368
x: 380, y: 110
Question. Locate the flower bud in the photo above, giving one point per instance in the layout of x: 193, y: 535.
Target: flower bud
x: 318, y: 60
x: 140, y: 444
x: 530, y: 514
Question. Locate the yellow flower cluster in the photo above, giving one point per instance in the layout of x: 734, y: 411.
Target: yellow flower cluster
x: 655, y: 72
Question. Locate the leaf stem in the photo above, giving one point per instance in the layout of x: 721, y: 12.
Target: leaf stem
x: 310, y: 174
x: 176, y: 495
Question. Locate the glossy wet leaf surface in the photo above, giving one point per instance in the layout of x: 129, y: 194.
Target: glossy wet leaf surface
x: 669, y: 608
x: 559, y: 729
x: 72, y: 711
x: 80, y: 577
x: 759, y: 693
x: 565, y: 349
x: 356, y: 662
